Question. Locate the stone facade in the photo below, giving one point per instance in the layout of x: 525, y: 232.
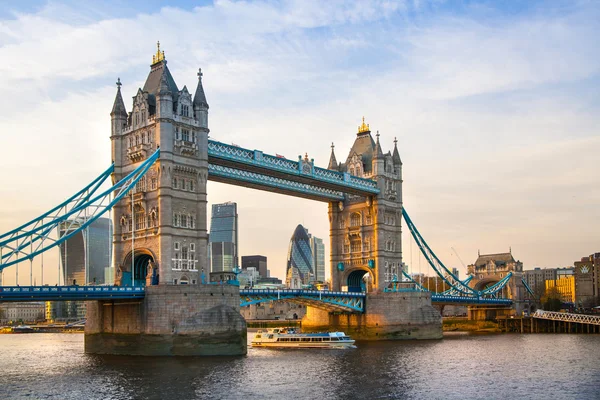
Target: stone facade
x: 587, y: 280
x: 365, y: 233
x: 171, y: 320
x: 168, y: 216
x: 489, y: 269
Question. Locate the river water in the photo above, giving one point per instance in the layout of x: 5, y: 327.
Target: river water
x: 509, y: 366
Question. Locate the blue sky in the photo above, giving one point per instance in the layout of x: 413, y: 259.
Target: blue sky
x: 494, y: 104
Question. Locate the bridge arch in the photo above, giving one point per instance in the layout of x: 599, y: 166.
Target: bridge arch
x: 141, y: 259
x: 359, y: 280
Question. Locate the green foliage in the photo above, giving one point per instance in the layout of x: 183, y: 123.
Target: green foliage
x: 552, y: 300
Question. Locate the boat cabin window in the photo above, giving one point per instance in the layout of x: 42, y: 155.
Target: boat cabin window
x: 258, y: 336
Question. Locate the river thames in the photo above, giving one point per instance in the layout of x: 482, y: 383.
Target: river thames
x: 54, y: 366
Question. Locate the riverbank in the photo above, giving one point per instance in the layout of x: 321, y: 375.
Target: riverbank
x: 464, y: 325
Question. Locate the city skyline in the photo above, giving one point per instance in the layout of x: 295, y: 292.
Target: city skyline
x: 493, y: 157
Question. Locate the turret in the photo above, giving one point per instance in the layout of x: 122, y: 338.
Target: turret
x: 333, y: 165
x: 200, y: 103
x: 378, y: 158
x: 164, y: 98
x: 118, y: 115
x: 396, y: 159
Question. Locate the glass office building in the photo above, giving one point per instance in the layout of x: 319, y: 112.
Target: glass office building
x: 318, y: 252
x: 223, y: 238
x: 300, y: 259
x: 91, y: 246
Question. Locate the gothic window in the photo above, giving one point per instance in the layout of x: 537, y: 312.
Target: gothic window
x: 355, y: 220
x: 184, y: 221
x: 192, y: 222
x: 153, y: 183
x: 176, y: 246
x: 194, y: 137
x: 355, y: 247
x: 191, y: 185
x: 185, y: 111
x: 130, y: 140
x: 351, y: 171
x: 192, y: 247
x: 175, y: 219
x: 185, y: 135
x: 176, y: 133
x: 369, y: 220
x: 130, y: 224
x: 184, y: 257
x: 140, y: 219
x: 346, y: 248
x: 174, y: 183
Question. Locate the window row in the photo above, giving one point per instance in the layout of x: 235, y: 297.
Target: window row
x: 142, y: 185
x: 184, y: 221
x: 183, y: 184
x: 140, y: 138
x: 185, y: 134
x: 140, y: 221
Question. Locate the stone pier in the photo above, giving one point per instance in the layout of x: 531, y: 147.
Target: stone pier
x: 182, y: 320
x: 388, y: 316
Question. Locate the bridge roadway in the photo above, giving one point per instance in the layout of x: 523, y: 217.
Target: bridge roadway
x: 332, y: 301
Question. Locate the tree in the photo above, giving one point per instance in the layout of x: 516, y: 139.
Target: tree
x: 552, y: 300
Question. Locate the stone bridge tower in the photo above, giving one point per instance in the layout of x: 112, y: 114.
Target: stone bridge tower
x: 365, y: 233
x: 164, y: 220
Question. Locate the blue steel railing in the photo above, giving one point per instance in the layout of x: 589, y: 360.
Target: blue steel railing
x: 332, y: 301
x: 266, y: 162
x: 80, y: 293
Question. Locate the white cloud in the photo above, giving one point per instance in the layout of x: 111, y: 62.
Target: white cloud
x: 494, y: 137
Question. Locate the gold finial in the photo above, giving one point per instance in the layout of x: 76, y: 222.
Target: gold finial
x: 364, y: 127
x: 306, y: 157
x: 159, y: 56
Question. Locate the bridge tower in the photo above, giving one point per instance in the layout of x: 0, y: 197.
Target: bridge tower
x: 365, y: 233
x: 366, y: 252
x: 164, y: 221
x: 160, y: 236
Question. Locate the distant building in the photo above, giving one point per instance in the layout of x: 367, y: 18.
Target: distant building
x: 270, y: 281
x: 248, y: 277
x: 299, y: 269
x: 318, y: 252
x: 587, y: 280
x: 257, y: 262
x: 26, y: 312
x: 565, y: 286
x: 65, y: 310
x: 92, y: 246
x: 223, y: 239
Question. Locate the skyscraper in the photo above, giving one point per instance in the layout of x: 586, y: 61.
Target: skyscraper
x: 318, y: 252
x: 223, y: 238
x: 299, y: 269
x: 91, y: 246
x: 257, y: 262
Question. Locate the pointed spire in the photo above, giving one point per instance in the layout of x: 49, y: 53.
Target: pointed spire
x: 332, y: 161
x: 378, y: 152
x: 199, y: 96
x: 396, y: 155
x: 163, y: 88
x: 119, y: 105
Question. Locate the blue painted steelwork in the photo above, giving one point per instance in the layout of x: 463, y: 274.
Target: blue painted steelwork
x: 261, y: 180
x: 454, y: 292
x: 449, y: 299
x: 331, y: 301
x: 527, y: 287
x: 303, y: 171
x: 445, y: 274
x: 73, y: 215
x: 63, y: 293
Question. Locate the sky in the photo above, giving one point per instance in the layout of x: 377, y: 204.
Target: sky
x: 495, y: 106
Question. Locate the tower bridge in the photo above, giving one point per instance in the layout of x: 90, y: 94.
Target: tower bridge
x: 162, y: 160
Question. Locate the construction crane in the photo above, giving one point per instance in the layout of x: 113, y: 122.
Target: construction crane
x: 457, y: 256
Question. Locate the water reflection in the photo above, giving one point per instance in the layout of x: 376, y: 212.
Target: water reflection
x: 53, y: 366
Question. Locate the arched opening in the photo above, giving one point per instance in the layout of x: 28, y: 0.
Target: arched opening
x: 356, y: 283
x: 140, y: 268
x: 184, y: 280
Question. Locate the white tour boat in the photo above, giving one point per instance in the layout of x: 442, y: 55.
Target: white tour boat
x: 290, y: 337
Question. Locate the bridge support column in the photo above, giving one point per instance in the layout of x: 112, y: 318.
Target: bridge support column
x: 182, y: 320
x: 388, y: 316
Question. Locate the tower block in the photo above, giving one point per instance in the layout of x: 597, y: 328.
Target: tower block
x: 366, y: 251
x: 160, y: 237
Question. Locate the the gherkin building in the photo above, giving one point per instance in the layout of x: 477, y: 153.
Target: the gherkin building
x: 299, y: 260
